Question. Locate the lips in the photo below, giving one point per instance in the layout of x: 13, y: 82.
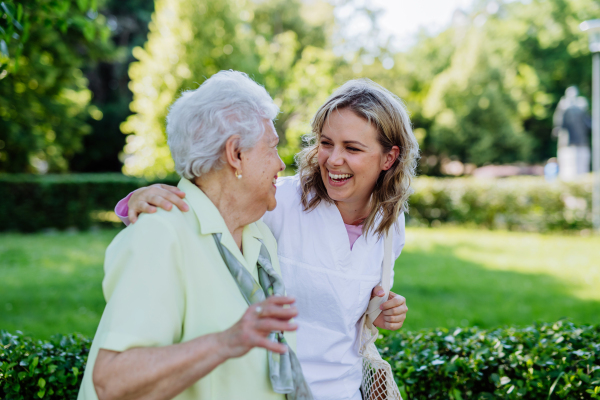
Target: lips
x: 338, y: 179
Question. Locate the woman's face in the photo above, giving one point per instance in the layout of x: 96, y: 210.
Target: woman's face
x: 260, y: 166
x: 351, y: 158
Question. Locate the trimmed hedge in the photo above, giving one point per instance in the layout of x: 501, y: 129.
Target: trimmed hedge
x: 30, y: 203
x: 517, y: 203
x: 558, y: 361
x: 544, y: 361
x: 32, y: 369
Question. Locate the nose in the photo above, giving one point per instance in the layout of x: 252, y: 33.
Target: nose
x: 281, y: 163
x: 336, y: 158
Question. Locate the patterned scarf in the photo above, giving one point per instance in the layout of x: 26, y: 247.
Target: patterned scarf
x: 284, y: 369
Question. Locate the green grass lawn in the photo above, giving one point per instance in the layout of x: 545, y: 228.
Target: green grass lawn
x: 450, y: 276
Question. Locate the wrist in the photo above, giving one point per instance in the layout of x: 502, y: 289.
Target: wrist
x: 221, y: 343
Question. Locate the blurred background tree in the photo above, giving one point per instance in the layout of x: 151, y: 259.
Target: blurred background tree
x: 76, y: 75
x: 44, y: 99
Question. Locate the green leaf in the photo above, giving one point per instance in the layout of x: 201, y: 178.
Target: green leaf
x: 41, y: 383
x: 89, y: 31
x: 22, y: 375
x: 19, y: 12
x: 41, y: 393
x: 35, y: 362
x: 75, y: 371
x: 3, y: 48
x: 83, y: 5
x: 7, y: 10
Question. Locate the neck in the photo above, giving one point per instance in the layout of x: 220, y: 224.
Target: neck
x: 223, y: 194
x: 353, y: 213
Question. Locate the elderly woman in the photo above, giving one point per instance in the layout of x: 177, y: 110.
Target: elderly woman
x: 188, y: 310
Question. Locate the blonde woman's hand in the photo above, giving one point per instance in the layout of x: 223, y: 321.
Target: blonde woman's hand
x: 256, y: 324
x: 393, y: 311
x: 146, y: 199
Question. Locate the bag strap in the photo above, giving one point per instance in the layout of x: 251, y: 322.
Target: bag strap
x: 373, y: 310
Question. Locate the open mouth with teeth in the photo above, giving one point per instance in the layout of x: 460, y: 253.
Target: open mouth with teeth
x: 340, y: 178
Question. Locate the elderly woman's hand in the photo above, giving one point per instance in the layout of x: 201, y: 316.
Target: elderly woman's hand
x: 393, y: 311
x: 146, y: 199
x: 257, y: 323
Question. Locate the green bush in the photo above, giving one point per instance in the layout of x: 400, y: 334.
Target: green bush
x: 33, y: 202
x: 560, y: 360
x: 30, y: 203
x: 518, y: 203
x: 544, y: 361
x: 31, y: 369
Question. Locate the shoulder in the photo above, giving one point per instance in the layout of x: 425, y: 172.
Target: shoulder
x: 152, y: 231
x: 288, y: 187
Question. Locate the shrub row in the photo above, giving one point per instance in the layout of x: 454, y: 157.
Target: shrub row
x: 546, y: 361
x: 518, y: 203
x: 31, y: 202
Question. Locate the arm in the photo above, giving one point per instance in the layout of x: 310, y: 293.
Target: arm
x: 394, y: 309
x: 164, y: 372
x: 141, y: 354
x: 146, y: 199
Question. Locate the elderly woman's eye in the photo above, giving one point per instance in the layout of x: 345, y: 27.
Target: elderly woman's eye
x: 353, y: 149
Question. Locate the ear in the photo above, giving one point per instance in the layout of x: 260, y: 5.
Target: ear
x: 390, y: 158
x: 233, y: 154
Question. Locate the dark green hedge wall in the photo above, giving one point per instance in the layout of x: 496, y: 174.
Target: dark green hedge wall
x: 30, y: 202
x: 544, y: 361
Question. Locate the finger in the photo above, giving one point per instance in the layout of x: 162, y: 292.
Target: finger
x: 393, y: 327
x: 394, y: 318
x: 395, y: 302
x: 279, y: 312
x: 267, y: 325
x: 174, y: 199
x: 377, y: 291
x: 132, y: 215
x: 278, y: 300
x: 172, y: 189
x: 269, y: 345
x: 396, y: 310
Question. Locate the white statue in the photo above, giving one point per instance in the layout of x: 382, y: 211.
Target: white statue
x: 572, y: 126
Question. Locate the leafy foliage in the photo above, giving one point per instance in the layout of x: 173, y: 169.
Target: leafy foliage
x: 519, y: 203
x: 557, y: 360
x: 43, y: 94
x: 189, y: 41
x: 32, y: 369
x: 487, y: 87
x: 30, y: 203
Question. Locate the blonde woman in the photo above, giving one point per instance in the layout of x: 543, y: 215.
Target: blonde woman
x: 352, y: 187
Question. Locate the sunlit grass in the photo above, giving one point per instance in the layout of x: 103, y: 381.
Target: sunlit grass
x: 51, y: 283
x: 458, y: 276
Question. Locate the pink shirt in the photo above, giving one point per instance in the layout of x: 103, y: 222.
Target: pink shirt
x: 122, y: 208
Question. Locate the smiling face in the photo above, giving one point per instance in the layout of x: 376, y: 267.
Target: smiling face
x: 260, y: 166
x: 351, y: 158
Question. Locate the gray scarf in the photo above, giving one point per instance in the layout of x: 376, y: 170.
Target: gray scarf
x: 284, y: 369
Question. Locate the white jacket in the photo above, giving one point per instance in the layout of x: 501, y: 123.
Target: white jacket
x: 332, y: 286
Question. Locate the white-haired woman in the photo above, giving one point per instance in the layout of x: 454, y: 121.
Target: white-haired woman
x: 351, y: 189
x: 190, y: 312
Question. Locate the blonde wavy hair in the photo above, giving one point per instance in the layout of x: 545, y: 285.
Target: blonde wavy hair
x: 388, y: 114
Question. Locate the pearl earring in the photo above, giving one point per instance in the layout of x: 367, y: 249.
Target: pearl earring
x: 238, y: 175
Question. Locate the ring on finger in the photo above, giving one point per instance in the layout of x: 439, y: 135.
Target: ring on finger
x: 258, y: 310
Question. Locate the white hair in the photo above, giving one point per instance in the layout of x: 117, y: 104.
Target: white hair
x: 200, y: 121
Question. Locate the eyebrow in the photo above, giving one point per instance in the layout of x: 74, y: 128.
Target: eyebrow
x: 347, y: 141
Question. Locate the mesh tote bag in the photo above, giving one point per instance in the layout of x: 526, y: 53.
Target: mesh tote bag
x: 378, y: 380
